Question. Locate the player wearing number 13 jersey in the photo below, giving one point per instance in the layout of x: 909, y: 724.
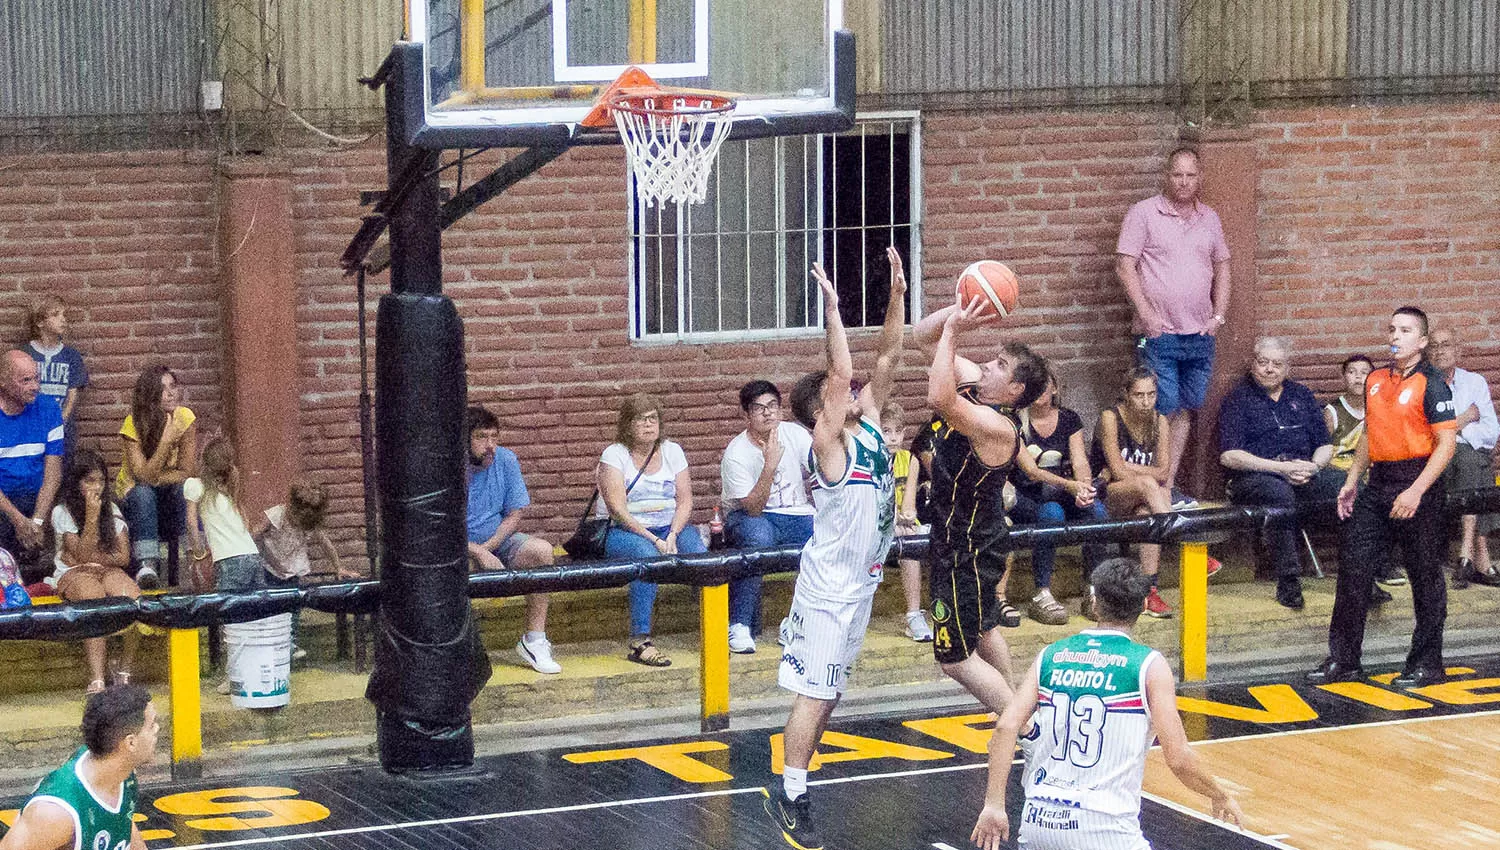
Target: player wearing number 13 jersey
x: 1095, y: 701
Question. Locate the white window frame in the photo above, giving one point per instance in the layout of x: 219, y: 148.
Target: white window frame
x: 638, y: 278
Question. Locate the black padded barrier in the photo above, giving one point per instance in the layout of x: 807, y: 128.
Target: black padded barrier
x: 103, y: 617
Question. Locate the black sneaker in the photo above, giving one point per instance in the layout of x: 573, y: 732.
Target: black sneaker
x: 793, y: 818
x: 1379, y: 595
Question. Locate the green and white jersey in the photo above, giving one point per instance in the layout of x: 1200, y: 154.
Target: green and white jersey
x: 854, y: 521
x: 96, y: 825
x: 1087, y: 747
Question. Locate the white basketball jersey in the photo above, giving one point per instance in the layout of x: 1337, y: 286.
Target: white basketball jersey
x: 855, y: 521
x: 1087, y: 747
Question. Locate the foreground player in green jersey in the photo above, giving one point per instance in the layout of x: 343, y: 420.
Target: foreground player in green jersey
x: 90, y: 801
x: 1099, y: 698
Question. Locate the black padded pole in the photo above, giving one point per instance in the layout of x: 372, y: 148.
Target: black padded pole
x: 429, y: 663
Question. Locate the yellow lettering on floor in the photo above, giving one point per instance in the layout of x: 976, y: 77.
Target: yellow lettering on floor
x: 855, y: 748
x: 1387, y: 678
x: 1378, y: 697
x: 152, y: 834
x: 671, y: 758
x: 266, y: 807
x: 1461, y: 692
x: 1279, y: 704
x: 958, y: 730
x: 8, y: 816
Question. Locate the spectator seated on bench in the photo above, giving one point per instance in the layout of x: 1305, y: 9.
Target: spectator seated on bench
x: 1275, y: 448
x: 764, y: 497
x: 93, y: 550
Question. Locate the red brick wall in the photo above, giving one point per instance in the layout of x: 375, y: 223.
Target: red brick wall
x: 1360, y: 208
x: 128, y: 240
x: 1365, y: 209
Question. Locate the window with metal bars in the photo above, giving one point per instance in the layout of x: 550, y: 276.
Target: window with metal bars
x: 736, y: 266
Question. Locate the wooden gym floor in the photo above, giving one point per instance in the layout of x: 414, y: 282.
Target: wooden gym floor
x: 1356, y: 765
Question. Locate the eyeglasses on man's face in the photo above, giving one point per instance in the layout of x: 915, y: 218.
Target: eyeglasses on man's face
x: 766, y: 409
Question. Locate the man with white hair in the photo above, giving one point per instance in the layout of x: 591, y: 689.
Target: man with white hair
x: 1275, y: 449
x: 31, y: 449
x: 1472, y: 466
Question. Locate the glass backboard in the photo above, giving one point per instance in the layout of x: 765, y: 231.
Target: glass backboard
x: 526, y: 72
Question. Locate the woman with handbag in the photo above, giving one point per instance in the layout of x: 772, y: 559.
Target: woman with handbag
x: 646, y: 492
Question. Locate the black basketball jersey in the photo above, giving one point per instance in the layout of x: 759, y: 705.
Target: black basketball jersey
x: 967, y: 504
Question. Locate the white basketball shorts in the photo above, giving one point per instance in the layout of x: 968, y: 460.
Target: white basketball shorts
x: 824, y: 641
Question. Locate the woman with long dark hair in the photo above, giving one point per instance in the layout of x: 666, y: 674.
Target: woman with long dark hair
x: 159, y: 440
x: 93, y: 550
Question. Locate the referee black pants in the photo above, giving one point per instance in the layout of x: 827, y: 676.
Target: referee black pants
x: 1368, y: 535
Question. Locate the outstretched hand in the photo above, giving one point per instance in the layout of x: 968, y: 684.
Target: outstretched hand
x: 898, y: 273
x: 830, y: 295
x: 967, y: 317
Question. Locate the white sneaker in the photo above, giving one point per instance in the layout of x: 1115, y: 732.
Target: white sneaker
x: 917, y: 628
x: 146, y: 578
x: 538, y: 654
x: 299, y: 654
x: 740, y: 641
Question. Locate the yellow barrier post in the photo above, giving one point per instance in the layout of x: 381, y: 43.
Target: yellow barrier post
x: 1194, y: 582
x: 186, y: 704
x: 713, y: 672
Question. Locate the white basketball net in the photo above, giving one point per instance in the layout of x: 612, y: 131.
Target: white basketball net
x: 671, y: 142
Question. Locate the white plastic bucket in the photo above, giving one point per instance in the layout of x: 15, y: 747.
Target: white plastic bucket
x: 259, y: 662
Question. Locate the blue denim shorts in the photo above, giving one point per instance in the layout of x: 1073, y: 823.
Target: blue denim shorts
x: 511, y: 545
x: 240, y: 572
x: 1182, y: 364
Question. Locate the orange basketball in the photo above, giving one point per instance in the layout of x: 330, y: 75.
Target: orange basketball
x: 994, y: 282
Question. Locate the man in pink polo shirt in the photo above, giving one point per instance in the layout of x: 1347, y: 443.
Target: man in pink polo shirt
x: 1174, y: 264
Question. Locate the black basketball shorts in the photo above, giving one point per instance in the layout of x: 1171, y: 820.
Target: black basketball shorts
x: 964, y: 606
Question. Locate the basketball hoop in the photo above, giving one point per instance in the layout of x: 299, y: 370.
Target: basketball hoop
x: 671, y: 140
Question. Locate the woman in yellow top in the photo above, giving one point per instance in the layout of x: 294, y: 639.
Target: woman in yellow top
x: 160, y: 451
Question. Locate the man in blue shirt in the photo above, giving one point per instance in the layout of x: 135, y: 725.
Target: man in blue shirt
x: 1275, y: 448
x: 31, y: 448
x: 497, y: 495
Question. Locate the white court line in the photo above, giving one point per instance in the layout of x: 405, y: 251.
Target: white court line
x: 1316, y: 729
x: 726, y: 792
x: 1268, y: 840
x: 580, y: 807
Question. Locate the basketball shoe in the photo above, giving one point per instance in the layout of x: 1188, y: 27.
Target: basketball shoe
x: 793, y: 818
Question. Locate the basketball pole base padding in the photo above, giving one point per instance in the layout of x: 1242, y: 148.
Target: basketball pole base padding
x: 429, y: 662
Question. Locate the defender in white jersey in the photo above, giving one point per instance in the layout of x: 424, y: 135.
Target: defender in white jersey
x: 1098, y: 699
x: 853, y: 525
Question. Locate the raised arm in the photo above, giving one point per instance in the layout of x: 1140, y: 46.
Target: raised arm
x: 828, y: 435
x: 888, y: 360
x: 927, y: 332
x: 992, y: 435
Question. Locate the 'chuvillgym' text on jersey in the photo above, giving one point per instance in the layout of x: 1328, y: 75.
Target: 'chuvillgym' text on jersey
x: 967, y: 501
x: 854, y: 523
x: 97, y: 826
x: 1087, y: 747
